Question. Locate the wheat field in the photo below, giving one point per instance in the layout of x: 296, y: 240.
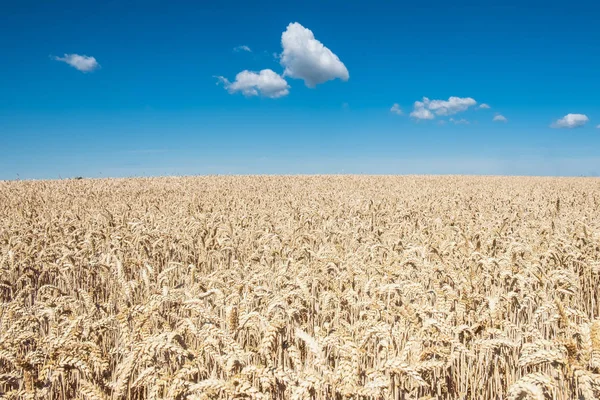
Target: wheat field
x: 306, y: 287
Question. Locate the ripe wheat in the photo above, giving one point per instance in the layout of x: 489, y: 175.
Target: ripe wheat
x: 322, y: 287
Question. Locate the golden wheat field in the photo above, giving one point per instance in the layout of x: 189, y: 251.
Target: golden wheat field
x: 307, y: 287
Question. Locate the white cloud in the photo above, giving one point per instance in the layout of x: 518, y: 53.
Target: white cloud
x: 420, y: 112
x: 598, y: 127
x: 304, y: 57
x: 425, y: 109
x: 461, y: 121
x: 242, y: 48
x: 485, y: 106
x: 500, y: 118
x: 451, y: 106
x: 571, y: 121
x: 82, y: 63
x: 266, y: 83
x: 396, y: 109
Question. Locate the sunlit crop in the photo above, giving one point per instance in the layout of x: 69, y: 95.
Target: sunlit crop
x: 324, y: 287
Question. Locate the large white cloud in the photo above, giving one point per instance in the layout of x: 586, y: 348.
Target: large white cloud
x: 306, y: 58
x: 82, y: 63
x: 571, y: 121
x: 427, y: 108
x: 266, y: 83
x: 499, y: 118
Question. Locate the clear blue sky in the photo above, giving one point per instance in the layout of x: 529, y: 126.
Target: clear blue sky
x: 154, y: 105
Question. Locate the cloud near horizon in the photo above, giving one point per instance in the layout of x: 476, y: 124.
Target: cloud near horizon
x: 266, y: 83
x: 571, y: 121
x: 82, y: 63
x: 306, y: 58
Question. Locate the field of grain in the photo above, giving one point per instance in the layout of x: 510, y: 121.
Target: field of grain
x: 324, y: 287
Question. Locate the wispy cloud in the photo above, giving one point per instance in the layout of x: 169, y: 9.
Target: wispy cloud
x: 267, y: 83
x: 242, y: 48
x: 571, y: 121
x: 306, y: 58
x: 396, y: 109
x: 485, y: 106
x: 461, y: 121
x: 81, y: 63
x: 499, y: 118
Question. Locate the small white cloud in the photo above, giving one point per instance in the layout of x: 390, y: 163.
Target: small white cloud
x: 266, y: 83
x: 499, y: 118
x: 82, y: 63
x: 425, y: 109
x: 598, y: 127
x: 396, y: 109
x: 242, y: 48
x: 420, y: 112
x: 485, y: 106
x: 306, y: 58
x: 461, y: 121
x: 451, y: 106
x: 571, y: 121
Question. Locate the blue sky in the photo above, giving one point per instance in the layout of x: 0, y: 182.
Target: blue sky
x: 160, y: 95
